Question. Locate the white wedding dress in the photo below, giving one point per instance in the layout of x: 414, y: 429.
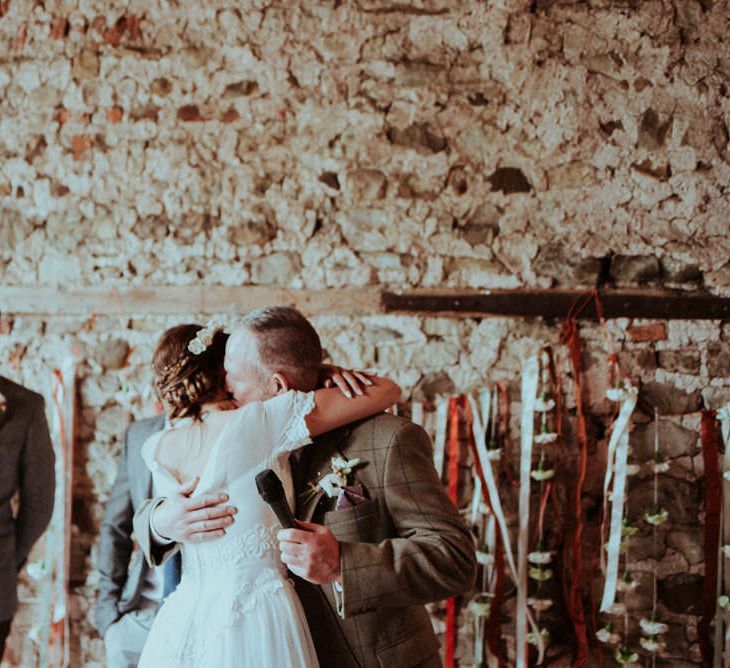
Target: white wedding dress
x: 234, y: 606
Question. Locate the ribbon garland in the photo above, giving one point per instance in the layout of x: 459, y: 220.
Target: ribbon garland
x: 618, y: 448
x: 530, y: 376
x: 453, y: 490
x: 713, y: 508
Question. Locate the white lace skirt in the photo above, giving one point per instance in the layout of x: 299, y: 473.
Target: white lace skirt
x: 206, y: 624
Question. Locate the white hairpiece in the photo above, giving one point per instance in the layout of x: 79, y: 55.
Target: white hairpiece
x: 204, y: 337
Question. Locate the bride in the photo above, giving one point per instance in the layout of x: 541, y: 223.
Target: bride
x: 234, y: 605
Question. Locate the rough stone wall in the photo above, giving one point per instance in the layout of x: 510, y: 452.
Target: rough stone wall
x: 328, y: 144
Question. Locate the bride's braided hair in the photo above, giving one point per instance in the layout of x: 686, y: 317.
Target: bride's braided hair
x: 184, y: 380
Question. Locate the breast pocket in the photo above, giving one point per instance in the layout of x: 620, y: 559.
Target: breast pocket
x: 362, y: 523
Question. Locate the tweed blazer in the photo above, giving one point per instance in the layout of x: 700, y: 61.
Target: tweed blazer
x: 402, y: 548
x: 122, y: 570
x: 27, y: 466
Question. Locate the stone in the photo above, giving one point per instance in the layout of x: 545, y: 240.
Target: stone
x: 674, y: 271
x: 111, y: 422
x: 682, y: 593
x: 656, y: 331
x: 86, y: 65
x: 432, y: 385
x: 421, y: 137
x: 572, y: 175
x: 680, y: 497
x: 669, y: 399
x: 112, y: 354
x: 562, y: 269
x: 674, y: 440
x: 652, y: 130
x: 509, y: 180
x: 482, y: 226
x: 680, y: 361
x: 689, y: 542
x: 718, y: 359
x: 259, y: 229
x: 716, y: 397
x: 240, y: 89
x: 365, y: 185
x: 632, y: 270
x: 277, y: 269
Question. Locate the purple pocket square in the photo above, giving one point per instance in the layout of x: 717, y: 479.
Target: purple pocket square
x: 351, y: 496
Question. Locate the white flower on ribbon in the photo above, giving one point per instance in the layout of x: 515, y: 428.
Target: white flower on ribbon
x: 493, y: 455
x: 607, y: 635
x: 621, y: 393
x: 37, y: 570
x: 544, y: 405
x: 540, y: 557
x: 617, y: 609
x: 632, y: 469
x: 652, y: 644
x: 205, y: 336
x: 546, y: 437
x: 541, y: 474
x: 540, y: 574
x: 726, y: 475
x: 334, y: 481
x: 652, y: 627
x: 539, y: 604
x: 3, y: 403
x: 660, y: 467
x: 480, y: 605
x: 535, y: 638
x: 726, y: 551
x: 657, y: 516
x: 627, y: 583
x: 625, y: 656
x: 628, y: 529
x: 724, y: 602
x: 484, y: 557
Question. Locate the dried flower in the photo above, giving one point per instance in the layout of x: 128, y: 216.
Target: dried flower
x: 621, y: 392
x: 336, y: 479
x: 540, y: 574
x: 628, y: 529
x: 539, y: 604
x: 607, y: 635
x: 535, y: 638
x: 546, y: 437
x: 724, y: 602
x: 652, y: 627
x: 539, y: 557
x: 484, y: 557
x: 493, y: 455
x: 480, y: 605
x: 617, y: 609
x: 544, y: 404
x: 541, y: 474
x: 627, y: 583
x: 657, y: 516
x: 624, y: 655
x: 652, y: 644
x: 632, y: 469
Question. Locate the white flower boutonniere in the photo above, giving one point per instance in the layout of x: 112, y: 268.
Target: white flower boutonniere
x: 336, y: 480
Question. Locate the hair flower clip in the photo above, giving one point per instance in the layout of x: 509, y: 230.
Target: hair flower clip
x: 205, y: 336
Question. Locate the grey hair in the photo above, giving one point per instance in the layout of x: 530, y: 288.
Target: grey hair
x: 287, y: 344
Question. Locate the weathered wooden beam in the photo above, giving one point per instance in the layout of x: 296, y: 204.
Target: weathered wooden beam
x: 233, y: 300
x: 179, y: 300
x: 662, y: 305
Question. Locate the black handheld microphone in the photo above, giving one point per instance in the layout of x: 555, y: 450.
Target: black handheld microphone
x: 272, y: 492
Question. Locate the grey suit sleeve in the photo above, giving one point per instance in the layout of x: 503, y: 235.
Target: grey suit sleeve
x: 37, y: 485
x: 115, y: 546
x: 433, y: 555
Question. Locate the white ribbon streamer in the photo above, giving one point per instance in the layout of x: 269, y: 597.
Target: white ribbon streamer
x: 439, y: 445
x: 417, y: 413
x: 618, y: 449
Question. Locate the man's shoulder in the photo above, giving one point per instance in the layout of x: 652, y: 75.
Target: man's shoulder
x: 382, y: 427
x: 18, y: 393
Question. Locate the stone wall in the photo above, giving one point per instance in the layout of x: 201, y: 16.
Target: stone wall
x: 396, y: 144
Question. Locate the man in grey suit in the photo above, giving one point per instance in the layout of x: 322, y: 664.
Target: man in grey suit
x: 27, y: 466
x: 130, y: 592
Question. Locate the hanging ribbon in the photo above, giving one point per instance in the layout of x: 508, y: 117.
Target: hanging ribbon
x: 453, y: 489
x: 439, y: 443
x: 571, y: 338
x: 530, y: 377
x: 722, y: 633
x: 618, y: 450
x: 713, y: 506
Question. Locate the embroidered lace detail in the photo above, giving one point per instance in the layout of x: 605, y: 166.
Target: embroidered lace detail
x: 255, y: 543
x: 252, y: 594
x: 296, y: 434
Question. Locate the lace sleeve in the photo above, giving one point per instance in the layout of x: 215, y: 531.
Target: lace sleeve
x: 295, y: 433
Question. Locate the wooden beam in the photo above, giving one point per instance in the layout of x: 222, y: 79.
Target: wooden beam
x: 235, y: 300
x: 663, y: 305
x: 180, y: 300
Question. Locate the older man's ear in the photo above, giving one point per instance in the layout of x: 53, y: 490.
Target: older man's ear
x: 278, y: 384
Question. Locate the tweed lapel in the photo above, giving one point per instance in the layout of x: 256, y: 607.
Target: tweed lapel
x: 313, y: 463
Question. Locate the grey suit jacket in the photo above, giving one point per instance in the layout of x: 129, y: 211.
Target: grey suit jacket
x: 27, y: 465
x: 122, y: 571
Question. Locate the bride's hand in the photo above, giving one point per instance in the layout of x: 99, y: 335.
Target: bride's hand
x: 349, y: 381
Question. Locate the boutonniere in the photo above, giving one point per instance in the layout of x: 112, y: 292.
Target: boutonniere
x: 337, y: 479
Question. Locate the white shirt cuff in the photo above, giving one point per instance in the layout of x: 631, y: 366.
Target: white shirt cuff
x: 156, y: 537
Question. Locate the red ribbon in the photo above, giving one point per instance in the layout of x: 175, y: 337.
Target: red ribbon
x: 453, y: 489
x: 713, y: 508
x: 570, y: 337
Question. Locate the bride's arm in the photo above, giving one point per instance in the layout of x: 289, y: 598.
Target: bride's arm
x: 332, y: 409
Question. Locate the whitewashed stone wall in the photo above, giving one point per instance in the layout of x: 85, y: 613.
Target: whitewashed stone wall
x: 402, y: 144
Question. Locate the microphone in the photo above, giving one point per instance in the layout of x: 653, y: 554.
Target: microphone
x: 272, y: 492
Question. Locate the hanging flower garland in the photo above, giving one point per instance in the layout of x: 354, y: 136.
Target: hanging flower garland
x: 722, y: 633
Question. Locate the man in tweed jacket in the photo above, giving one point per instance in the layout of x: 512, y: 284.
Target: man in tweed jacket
x: 27, y: 465
x: 367, y: 570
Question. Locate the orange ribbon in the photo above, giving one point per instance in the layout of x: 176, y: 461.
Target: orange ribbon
x: 453, y: 489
